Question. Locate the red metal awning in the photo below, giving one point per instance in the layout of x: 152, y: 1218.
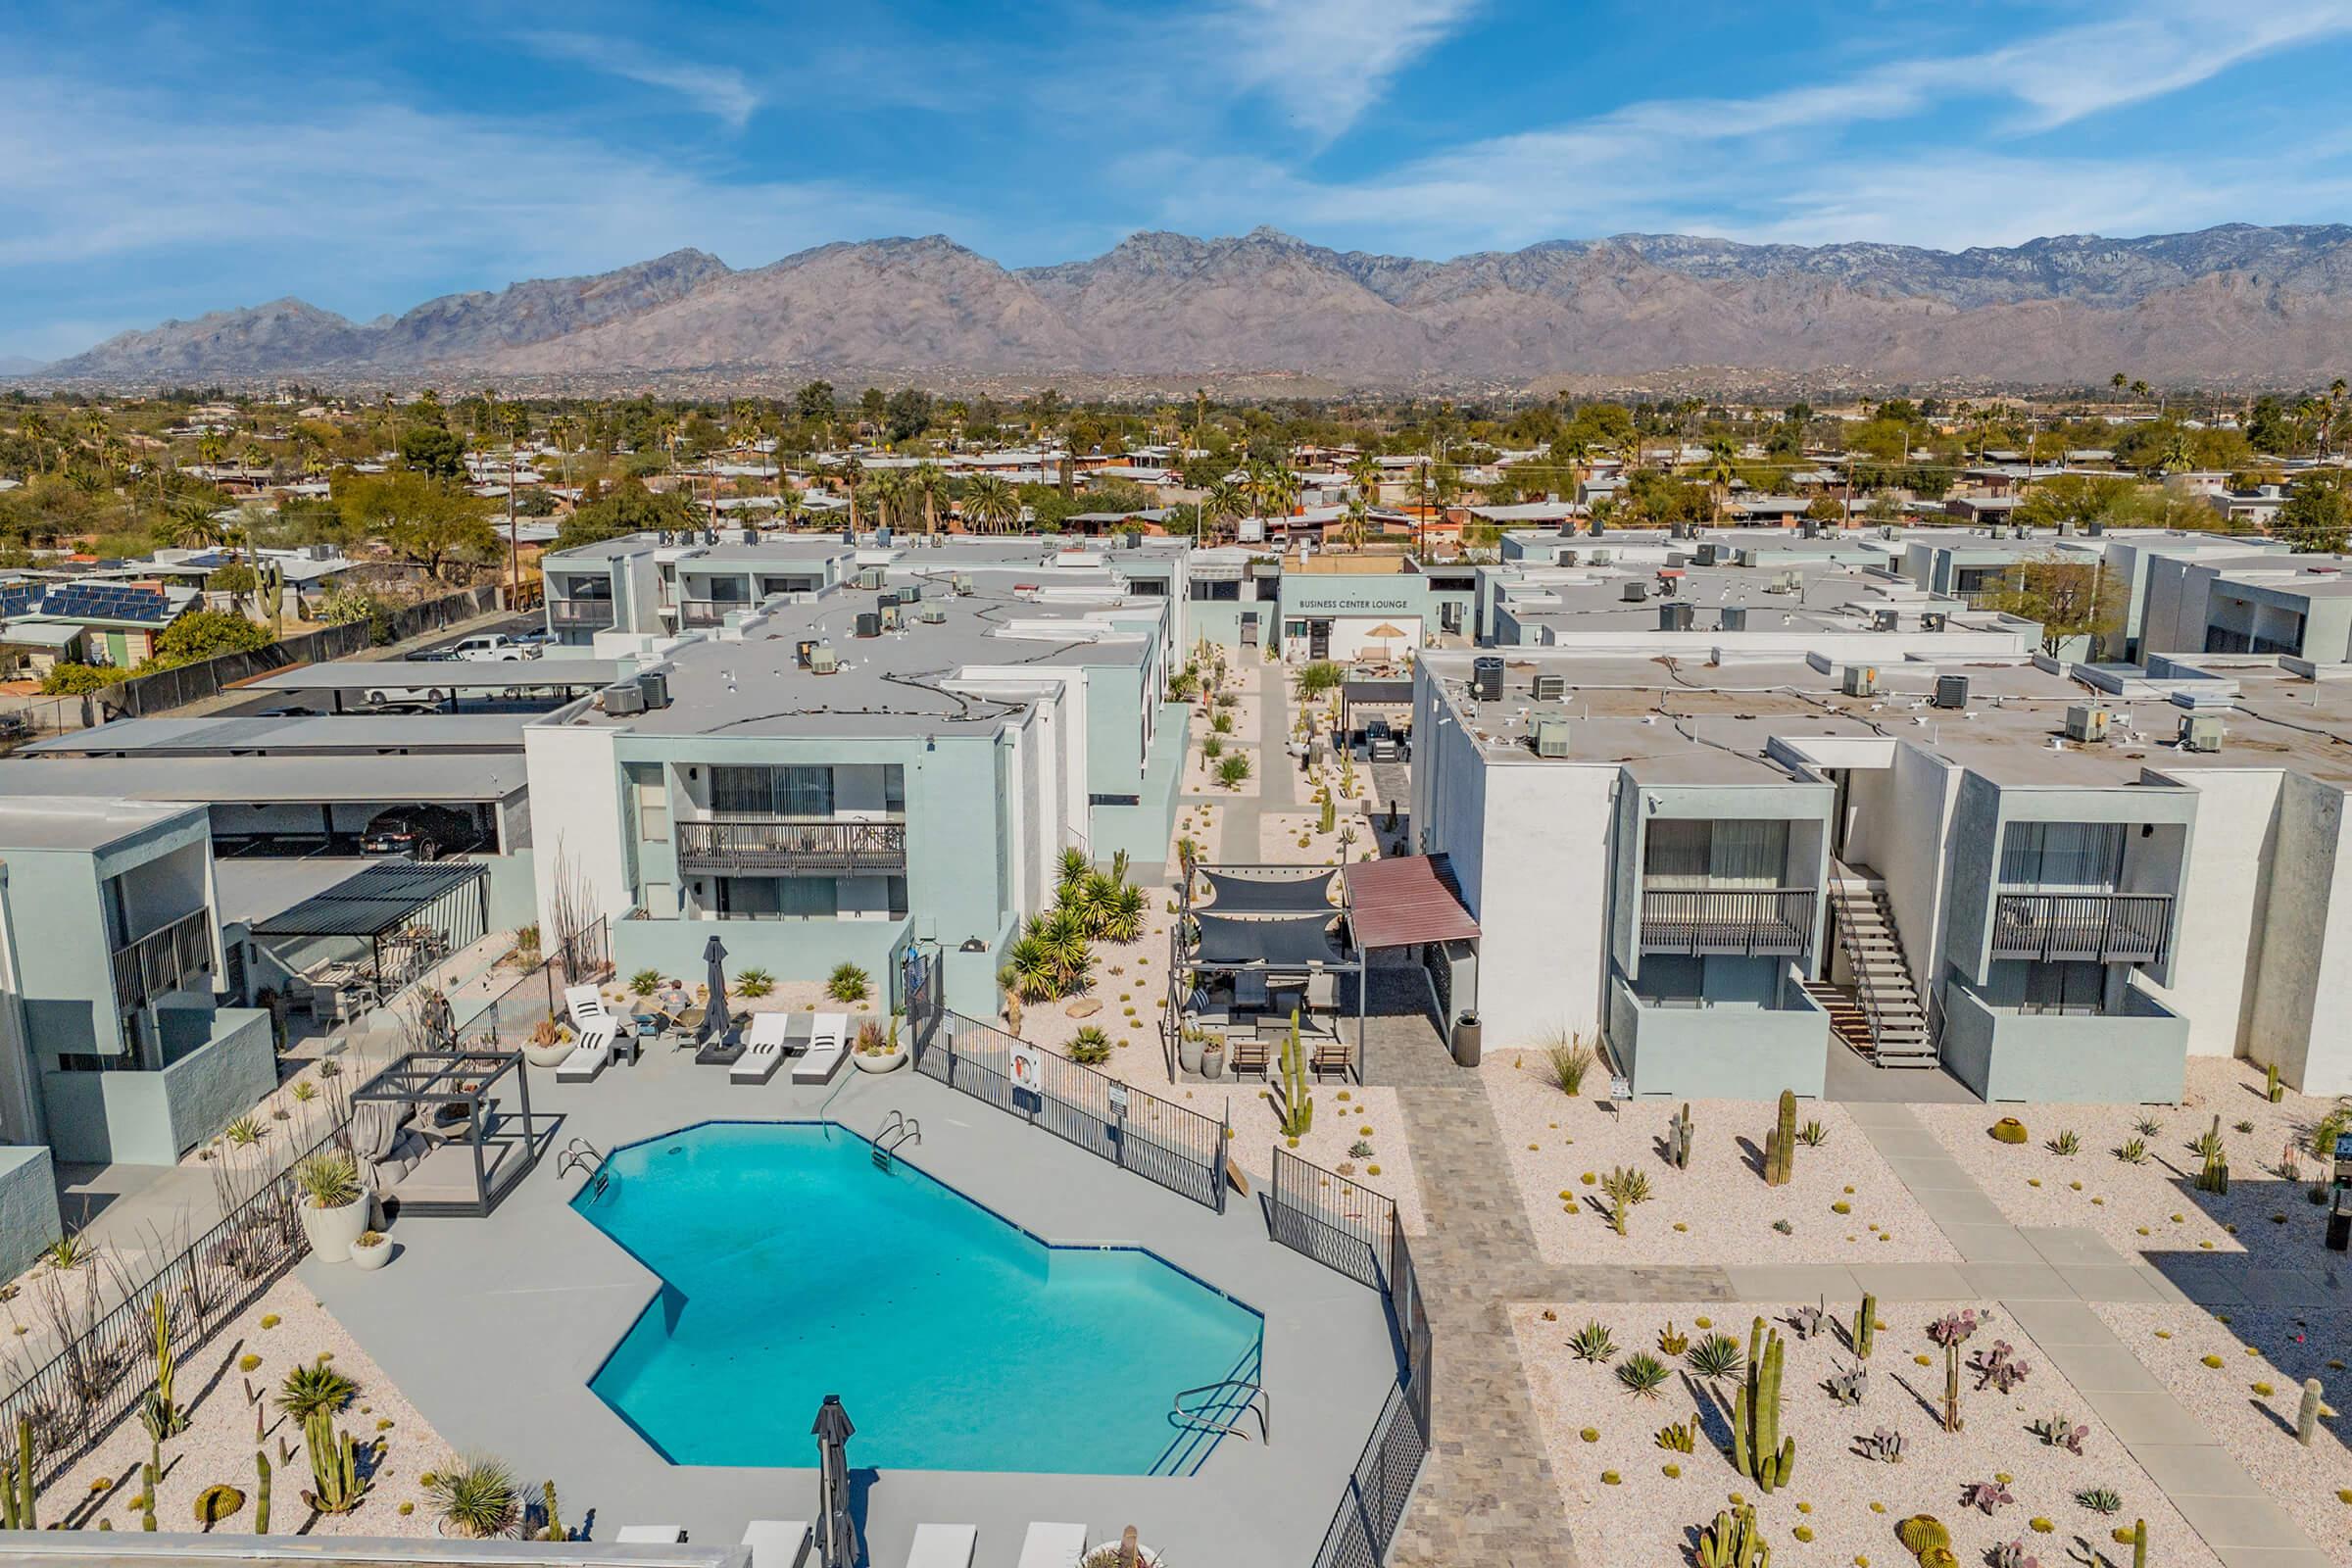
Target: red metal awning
x: 1406, y: 902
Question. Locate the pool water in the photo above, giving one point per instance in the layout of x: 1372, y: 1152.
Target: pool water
x: 794, y: 1269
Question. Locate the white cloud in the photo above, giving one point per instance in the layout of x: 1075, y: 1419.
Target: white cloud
x: 1324, y: 62
x: 719, y: 91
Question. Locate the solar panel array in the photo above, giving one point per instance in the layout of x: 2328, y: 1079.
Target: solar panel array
x: 105, y: 601
x: 20, y: 599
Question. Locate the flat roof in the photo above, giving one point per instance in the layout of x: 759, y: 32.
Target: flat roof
x: 76, y: 821
x: 359, y: 734
x: 455, y: 675
x: 279, y: 780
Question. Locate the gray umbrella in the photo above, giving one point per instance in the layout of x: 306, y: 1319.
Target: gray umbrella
x: 715, y: 1009
x: 836, y: 1531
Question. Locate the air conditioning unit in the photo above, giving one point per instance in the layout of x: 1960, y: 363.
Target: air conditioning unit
x: 1551, y: 737
x: 2086, y: 723
x: 1600, y: 558
x: 1931, y: 620
x: 1861, y: 681
x: 1706, y: 554
x: 931, y: 614
x: 1951, y: 690
x: 1635, y: 591
x: 628, y: 698
x: 872, y: 577
x: 962, y: 584
x: 1884, y: 621
x: 822, y: 660
x: 1677, y: 616
x: 1566, y: 558
x: 868, y: 624
x: 1552, y: 688
x: 1733, y: 617
x: 1485, y: 680
x: 2201, y: 732
x: 654, y: 685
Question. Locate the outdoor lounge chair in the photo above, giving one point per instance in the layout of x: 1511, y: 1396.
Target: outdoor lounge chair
x: 777, y: 1543
x: 589, y: 1057
x: 1054, y: 1546
x: 762, y: 1050
x: 943, y: 1546
x: 828, y: 1048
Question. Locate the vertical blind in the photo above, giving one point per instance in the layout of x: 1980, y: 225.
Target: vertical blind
x: 2062, y: 857
x: 773, y: 790
x: 1684, y: 852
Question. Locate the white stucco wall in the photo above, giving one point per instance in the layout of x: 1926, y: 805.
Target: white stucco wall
x: 1542, y: 898
x: 2304, y: 986
x: 1900, y: 823
x: 2220, y: 914
x: 575, y: 815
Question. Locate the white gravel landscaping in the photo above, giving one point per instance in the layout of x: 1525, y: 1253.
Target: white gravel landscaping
x: 2153, y: 1206
x: 1627, y: 1505
x: 1718, y: 1210
x: 2249, y: 1401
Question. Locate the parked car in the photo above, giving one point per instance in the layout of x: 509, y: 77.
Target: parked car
x: 493, y: 648
x: 15, y: 727
x: 1380, y: 741
x: 421, y: 832
x: 430, y: 655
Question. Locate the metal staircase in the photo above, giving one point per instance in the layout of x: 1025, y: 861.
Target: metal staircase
x: 1882, y: 1018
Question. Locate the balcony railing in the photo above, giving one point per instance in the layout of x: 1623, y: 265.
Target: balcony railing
x: 579, y: 612
x: 710, y: 612
x: 161, y: 961
x: 793, y: 847
x: 1749, y: 922
x: 2083, y: 927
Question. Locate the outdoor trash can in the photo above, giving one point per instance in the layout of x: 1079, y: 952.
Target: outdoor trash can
x: 1467, y: 1034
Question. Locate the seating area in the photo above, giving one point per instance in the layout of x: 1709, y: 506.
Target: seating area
x: 436, y: 1134
x: 1254, y: 949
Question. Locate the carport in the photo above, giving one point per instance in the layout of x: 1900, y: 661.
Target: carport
x: 364, y: 686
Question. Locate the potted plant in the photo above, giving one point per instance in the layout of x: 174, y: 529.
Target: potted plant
x: 877, y: 1052
x: 373, y: 1250
x: 1212, y: 1058
x: 1188, y: 1045
x: 334, y: 1203
x: 549, y: 1042
x: 476, y: 1499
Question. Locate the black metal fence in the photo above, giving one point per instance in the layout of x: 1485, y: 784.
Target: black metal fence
x: 106, y: 1366
x: 1162, y: 1141
x: 1352, y: 1229
x: 508, y: 1019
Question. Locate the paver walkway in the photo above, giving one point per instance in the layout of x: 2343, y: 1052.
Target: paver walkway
x: 1239, y: 816
x: 1486, y: 1493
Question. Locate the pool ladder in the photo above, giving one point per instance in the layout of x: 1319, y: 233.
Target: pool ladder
x: 581, y: 1154
x: 896, y: 1134
x: 1204, y: 1415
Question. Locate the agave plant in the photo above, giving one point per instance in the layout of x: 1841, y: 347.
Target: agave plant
x: 475, y: 1497
x: 244, y: 1132
x: 1592, y: 1343
x: 1642, y: 1374
x: 314, y: 1387
x: 2133, y: 1151
x: 1717, y: 1355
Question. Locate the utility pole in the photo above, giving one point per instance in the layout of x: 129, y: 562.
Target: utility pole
x: 513, y: 541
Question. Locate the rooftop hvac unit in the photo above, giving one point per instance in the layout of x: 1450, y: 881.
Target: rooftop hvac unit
x: 910, y: 593
x: 1677, y: 616
x: 1552, y: 688
x: 628, y: 698
x: 1668, y: 582
x: 962, y: 584
x: 1744, y: 557
x: 751, y: 536
x: 871, y: 577
x: 2200, y: 732
x: 931, y: 614
x: 1861, y: 681
x: 1635, y: 591
x: 1485, y: 680
x: 891, y: 599
x: 1706, y: 554
x: 1567, y: 557
x: 710, y: 536
x: 2086, y: 723
x: 1788, y: 582
x: 1884, y: 621
x: 803, y: 649
x: 869, y: 623
x: 1951, y: 690
x: 1551, y: 737
x: 891, y: 619
x: 1735, y: 617
x: 822, y: 660
x: 319, y: 552
x: 1600, y: 558
x: 1932, y: 620
x: 1808, y: 529
x: 654, y: 686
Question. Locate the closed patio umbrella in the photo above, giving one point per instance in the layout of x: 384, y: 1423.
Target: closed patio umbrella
x: 714, y: 1008
x: 836, y: 1531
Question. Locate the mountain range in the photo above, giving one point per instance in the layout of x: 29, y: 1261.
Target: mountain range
x: 2234, y: 304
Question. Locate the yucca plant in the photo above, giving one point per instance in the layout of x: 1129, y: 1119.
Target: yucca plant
x: 1624, y: 1187
x: 476, y: 1498
x: 1717, y: 1355
x: 244, y: 1132
x: 313, y: 1387
x: 645, y: 982
x: 1642, y: 1374
x: 328, y: 1179
x: 848, y: 983
x: 755, y: 981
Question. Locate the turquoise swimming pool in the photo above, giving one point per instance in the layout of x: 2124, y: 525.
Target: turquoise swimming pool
x: 793, y: 1268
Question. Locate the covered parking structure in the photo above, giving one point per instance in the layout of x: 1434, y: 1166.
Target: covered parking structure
x: 367, y: 686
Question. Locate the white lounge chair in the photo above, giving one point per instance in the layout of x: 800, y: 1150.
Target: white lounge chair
x: 597, y: 1027
x: 777, y: 1543
x: 762, y: 1050
x: 943, y: 1546
x: 651, y: 1536
x: 1049, y: 1546
x: 828, y: 1048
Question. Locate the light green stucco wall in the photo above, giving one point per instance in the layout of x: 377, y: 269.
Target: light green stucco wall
x: 153, y: 1118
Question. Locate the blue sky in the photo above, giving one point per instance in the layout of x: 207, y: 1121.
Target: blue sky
x: 164, y: 160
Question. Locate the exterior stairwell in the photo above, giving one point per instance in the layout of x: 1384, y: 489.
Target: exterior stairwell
x: 1882, y: 1018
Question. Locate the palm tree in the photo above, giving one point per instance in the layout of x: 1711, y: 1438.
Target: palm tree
x: 929, y: 482
x: 1221, y: 503
x: 792, y: 508
x: 210, y: 449
x: 1573, y: 456
x: 2117, y: 381
x: 889, y: 488
x: 2177, y: 457
x: 851, y: 471
x: 1365, y: 473
x: 35, y: 427
x: 1351, y: 529
x: 193, y: 525
x: 990, y: 505
x: 1721, y: 467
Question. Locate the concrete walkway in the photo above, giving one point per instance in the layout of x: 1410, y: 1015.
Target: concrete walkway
x: 1239, y: 816
x: 1486, y: 1492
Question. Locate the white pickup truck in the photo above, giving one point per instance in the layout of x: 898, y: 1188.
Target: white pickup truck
x: 493, y: 648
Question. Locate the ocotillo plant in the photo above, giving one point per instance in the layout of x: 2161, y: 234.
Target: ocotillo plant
x: 1780, y: 1144
x: 1298, y: 1103
x: 1758, y: 1450
x: 261, y: 1496
x: 1866, y: 1323
x: 2307, y: 1415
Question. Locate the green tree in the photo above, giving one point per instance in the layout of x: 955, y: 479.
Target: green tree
x: 432, y: 450
x: 2317, y: 514
x: 428, y: 523
x: 73, y: 680
x: 627, y: 508
x: 813, y: 403
x: 2073, y: 500
x: 2068, y: 597
x: 205, y: 633
x: 990, y: 505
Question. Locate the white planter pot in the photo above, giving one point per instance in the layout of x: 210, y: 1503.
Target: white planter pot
x: 539, y: 1055
x: 372, y: 1257
x: 880, y: 1061
x: 1188, y: 1053
x: 332, y: 1231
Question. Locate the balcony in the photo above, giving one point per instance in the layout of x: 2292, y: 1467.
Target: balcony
x: 1749, y: 1047
x: 710, y: 612
x: 163, y: 961
x: 579, y: 614
x: 778, y: 847
x: 2135, y: 1052
x: 1747, y: 922
x: 2083, y: 927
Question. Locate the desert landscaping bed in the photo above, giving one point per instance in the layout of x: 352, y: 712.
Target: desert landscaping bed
x: 1563, y: 1147
x: 2240, y: 1375
x: 2153, y: 1205
x: 1630, y: 1500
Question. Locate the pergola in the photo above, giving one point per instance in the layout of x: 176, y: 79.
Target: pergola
x: 385, y: 927
x: 473, y: 1153
x: 1260, y: 929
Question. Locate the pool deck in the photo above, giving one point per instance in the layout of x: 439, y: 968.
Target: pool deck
x: 492, y: 1328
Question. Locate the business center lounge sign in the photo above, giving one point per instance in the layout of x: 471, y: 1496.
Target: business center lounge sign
x: 1352, y: 603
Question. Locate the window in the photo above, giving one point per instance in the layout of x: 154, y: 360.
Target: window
x: 897, y: 897
x: 1696, y: 852
x: 1147, y: 587
x: 894, y: 789
x: 776, y: 897
x: 651, y: 798
x: 771, y: 791
x: 2062, y: 857
x: 2074, y: 988
x: 1216, y: 590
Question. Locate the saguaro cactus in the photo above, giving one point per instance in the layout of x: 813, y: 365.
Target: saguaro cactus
x: 1866, y: 1323
x: 1758, y: 1450
x: 1780, y: 1144
x: 2307, y: 1415
x: 261, y: 1494
x: 2140, y: 1543
x: 1678, y: 1137
x: 1298, y: 1101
